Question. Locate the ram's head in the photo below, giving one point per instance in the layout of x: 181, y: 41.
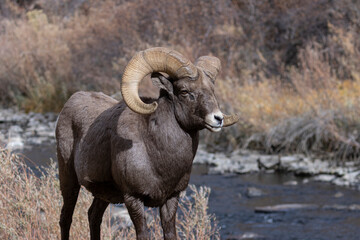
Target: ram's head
x: 190, y: 87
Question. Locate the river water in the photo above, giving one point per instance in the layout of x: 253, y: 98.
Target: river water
x: 326, y: 211
x: 235, y: 210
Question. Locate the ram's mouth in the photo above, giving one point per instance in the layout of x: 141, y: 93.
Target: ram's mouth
x: 213, y: 128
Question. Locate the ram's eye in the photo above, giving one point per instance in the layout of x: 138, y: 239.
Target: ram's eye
x: 184, y: 93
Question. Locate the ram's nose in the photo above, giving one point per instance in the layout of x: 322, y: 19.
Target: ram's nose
x: 214, y: 121
x: 219, y: 119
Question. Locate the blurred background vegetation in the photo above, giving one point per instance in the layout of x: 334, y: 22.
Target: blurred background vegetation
x: 290, y: 67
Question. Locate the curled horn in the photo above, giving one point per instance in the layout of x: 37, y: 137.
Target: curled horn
x: 230, y: 119
x: 149, y: 61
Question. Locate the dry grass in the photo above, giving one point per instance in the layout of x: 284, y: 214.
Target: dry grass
x: 315, y: 111
x: 35, y: 73
x: 282, y: 59
x: 30, y: 208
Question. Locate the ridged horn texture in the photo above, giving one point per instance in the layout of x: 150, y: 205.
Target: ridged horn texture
x: 230, y: 119
x: 210, y: 65
x: 152, y: 60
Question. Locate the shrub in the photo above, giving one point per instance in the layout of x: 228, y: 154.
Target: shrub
x: 30, y: 208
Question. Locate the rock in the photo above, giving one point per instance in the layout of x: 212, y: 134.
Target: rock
x: 348, y: 179
x: 252, y: 192
x: 26, y: 129
x: 338, y: 195
x: 291, y: 183
x: 352, y: 176
x: 287, y: 160
x: 44, y: 131
x: 250, y: 235
x: 33, y: 123
x: 220, y: 163
x: 285, y: 208
x: 15, y: 143
x: 247, y: 168
x: 319, y: 166
x: 51, y: 117
x: 2, y: 139
x: 247, y: 163
x: 354, y: 207
x: 341, y: 182
x: 15, y: 129
x: 350, y: 164
x: 225, y: 166
x: 37, y: 117
x: 324, y: 178
x: 39, y: 140
x: 19, y: 118
x: 339, y: 207
x: 268, y: 162
x: 203, y: 157
x: 246, y: 236
x: 52, y: 125
x: 305, y: 181
x: 305, y: 166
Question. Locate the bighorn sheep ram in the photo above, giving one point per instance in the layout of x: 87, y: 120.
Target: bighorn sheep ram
x: 137, y: 151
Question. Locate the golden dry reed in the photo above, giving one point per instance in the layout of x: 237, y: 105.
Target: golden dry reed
x: 30, y: 208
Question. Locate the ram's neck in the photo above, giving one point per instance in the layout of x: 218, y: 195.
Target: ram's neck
x: 167, y: 141
x: 163, y: 123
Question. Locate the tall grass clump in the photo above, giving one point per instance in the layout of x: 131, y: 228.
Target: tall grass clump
x: 35, y: 68
x: 30, y: 208
x: 316, y: 111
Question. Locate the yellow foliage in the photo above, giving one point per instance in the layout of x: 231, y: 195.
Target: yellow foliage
x: 265, y: 104
x: 37, y: 18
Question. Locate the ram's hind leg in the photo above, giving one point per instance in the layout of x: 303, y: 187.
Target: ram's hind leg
x: 95, y: 214
x: 70, y: 190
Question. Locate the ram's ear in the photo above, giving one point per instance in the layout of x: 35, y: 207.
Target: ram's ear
x: 162, y: 82
x: 210, y: 65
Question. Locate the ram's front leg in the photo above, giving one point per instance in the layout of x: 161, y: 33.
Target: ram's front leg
x: 168, y: 216
x: 136, y: 211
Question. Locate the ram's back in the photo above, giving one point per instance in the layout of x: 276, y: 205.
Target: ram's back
x: 79, y: 112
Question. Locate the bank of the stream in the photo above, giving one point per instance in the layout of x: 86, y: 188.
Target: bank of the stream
x: 264, y: 205
x: 254, y: 196
x: 33, y: 133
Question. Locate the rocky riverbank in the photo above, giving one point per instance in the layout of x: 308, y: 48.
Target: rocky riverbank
x: 244, y: 161
x: 19, y: 130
